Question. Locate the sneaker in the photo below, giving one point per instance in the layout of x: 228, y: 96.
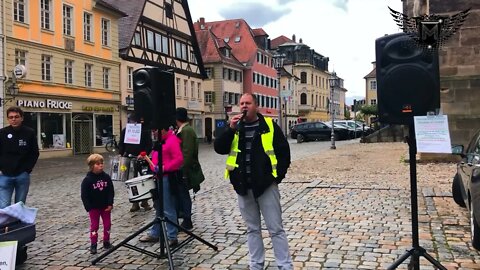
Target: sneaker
x: 93, y: 249
x: 144, y: 205
x: 173, y: 243
x: 187, y: 223
x: 107, y: 245
x: 148, y: 238
x: 135, y: 207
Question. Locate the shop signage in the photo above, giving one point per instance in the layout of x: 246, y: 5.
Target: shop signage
x: 48, y: 103
x: 97, y: 109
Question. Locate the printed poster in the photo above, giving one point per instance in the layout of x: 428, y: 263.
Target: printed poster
x: 432, y: 134
x: 8, y: 255
x: 133, y: 133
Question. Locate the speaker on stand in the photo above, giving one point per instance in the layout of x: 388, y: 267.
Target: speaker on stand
x: 408, y: 85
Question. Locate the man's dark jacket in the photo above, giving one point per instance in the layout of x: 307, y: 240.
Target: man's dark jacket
x: 125, y: 149
x: 18, y: 150
x: 261, y: 168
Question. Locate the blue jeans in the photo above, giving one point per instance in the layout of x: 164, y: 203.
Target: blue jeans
x: 8, y: 184
x: 169, y: 211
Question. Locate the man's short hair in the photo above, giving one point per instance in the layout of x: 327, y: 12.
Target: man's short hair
x: 94, y: 159
x: 15, y: 109
x: 254, y: 97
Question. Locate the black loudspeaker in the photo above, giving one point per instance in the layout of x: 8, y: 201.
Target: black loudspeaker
x: 408, y: 81
x: 154, y: 97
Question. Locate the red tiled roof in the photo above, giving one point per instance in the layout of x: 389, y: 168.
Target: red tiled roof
x: 279, y: 41
x: 210, y: 46
x: 245, y: 49
x: 259, y: 32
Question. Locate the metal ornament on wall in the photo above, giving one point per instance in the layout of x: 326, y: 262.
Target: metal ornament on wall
x: 430, y: 31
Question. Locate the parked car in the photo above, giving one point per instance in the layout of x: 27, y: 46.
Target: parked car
x: 352, y: 132
x: 466, y: 184
x: 311, y: 131
x: 355, y: 125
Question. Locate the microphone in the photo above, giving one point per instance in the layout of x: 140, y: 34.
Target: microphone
x: 244, y: 113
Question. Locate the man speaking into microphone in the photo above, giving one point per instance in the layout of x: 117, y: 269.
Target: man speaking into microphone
x: 258, y: 159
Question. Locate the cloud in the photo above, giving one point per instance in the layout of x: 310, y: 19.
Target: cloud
x: 341, y: 4
x: 283, y: 2
x: 256, y: 14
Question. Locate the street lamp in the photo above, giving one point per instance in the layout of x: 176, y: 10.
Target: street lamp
x: 279, y: 57
x: 333, y: 81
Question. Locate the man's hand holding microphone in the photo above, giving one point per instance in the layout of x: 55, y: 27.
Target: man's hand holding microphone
x: 234, y: 122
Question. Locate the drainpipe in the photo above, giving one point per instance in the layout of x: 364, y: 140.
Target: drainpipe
x: 4, y: 75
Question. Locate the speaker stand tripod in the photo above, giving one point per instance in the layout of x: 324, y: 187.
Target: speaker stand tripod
x: 165, y: 250
x: 416, y: 251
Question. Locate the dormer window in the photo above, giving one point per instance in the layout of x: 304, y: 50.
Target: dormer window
x: 226, y: 52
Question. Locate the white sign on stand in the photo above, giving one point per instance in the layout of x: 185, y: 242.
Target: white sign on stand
x: 8, y: 255
x: 133, y: 133
x: 432, y: 134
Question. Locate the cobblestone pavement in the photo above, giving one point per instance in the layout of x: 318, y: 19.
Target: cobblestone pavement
x: 343, y: 209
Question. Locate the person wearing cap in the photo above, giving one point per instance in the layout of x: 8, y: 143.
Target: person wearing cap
x: 191, y: 171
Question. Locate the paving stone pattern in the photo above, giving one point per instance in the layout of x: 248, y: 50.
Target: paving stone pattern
x: 347, y: 208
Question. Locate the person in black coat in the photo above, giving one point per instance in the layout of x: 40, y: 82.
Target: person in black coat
x: 97, y: 195
x: 134, y: 150
x: 18, y: 155
x: 251, y: 172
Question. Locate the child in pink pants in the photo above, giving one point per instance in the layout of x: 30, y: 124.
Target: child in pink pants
x: 97, y: 197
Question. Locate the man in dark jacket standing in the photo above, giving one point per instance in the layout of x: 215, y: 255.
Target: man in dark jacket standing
x: 191, y: 166
x: 134, y: 150
x: 258, y: 159
x: 18, y: 155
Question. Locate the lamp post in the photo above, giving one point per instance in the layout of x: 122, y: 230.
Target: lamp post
x: 279, y: 57
x: 333, y: 83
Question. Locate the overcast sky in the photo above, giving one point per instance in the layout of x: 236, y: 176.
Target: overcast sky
x: 343, y: 30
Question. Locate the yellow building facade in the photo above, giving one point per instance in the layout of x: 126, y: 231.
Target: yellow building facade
x: 65, y: 54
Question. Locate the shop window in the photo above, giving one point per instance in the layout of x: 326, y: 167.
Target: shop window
x: 103, y: 127
x: 52, y: 131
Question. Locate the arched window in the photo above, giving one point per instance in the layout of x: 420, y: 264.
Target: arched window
x: 303, y: 77
x: 303, y: 98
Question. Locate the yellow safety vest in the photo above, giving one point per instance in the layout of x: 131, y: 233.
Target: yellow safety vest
x: 267, y: 143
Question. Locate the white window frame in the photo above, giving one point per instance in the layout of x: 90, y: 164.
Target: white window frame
x: 21, y: 57
x: 88, y: 75
x: 185, y: 90
x: 106, y: 78
x: 129, y: 77
x: 68, y: 20
x: 373, y: 85
x: 46, y: 68
x: 20, y: 6
x: 46, y: 14
x: 88, y: 26
x: 68, y: 71
x: 105, y: 32
x: 177, y: 86
x: 209, y: 97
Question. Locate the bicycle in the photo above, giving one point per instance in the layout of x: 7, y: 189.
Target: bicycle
x: 112, y: 145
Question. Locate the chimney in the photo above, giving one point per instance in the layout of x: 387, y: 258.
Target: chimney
x: 293, y: 38
x: 374, y: 64
x: 202, y: 23
x: 300, y: 40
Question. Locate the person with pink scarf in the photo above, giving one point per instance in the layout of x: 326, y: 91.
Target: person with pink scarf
x: 172, y: 160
